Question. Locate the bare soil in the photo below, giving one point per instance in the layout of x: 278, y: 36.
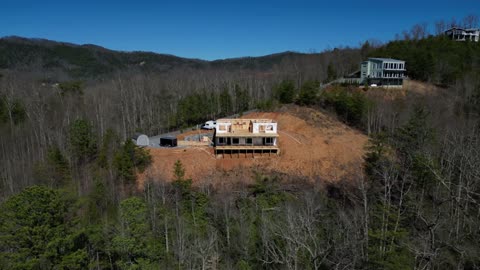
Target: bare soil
x: 314, y: 146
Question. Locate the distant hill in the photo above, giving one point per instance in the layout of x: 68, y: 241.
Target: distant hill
x: 91, y: 61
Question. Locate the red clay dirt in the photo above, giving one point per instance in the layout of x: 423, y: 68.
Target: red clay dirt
x: 313, y: 145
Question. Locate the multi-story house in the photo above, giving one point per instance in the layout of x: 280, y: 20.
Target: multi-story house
x: 462, y: 34
x: 246, y: 137
x: 382, y: 71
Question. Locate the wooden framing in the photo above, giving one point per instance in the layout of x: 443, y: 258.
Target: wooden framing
x: 246, y: 138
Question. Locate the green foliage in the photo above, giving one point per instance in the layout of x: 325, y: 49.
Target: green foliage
x: 416, y: 134
x: 377, y: 152
x: 110, y: 144
x: 55, y: 170
x: 242, y: 99
x: 193, y: 203
x: 135, y: 243
x: 424, y: 171
x: 85, y: 61
x: 12, y: 111
x: 308, y: 93
x: 388, y: 247
x: 266, y: 190
x: 98, y: 201
x: 331, y: 72
x: 225, y: 101
x: 204, y: 105
x: 72, y: 87
x: 350, y: 105
x: 82, y: 140
x: 35, y: 232
x: 183, y: 186
x: 285, y: 91
x: 243, y: 265
x: 436, y: 59
x: 267, y: 105
x: 130, y: 159
x: 178, y: 171
x: 191, y: 110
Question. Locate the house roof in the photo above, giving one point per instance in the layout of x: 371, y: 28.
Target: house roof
x: 385, y: 59
x: 463, y: 29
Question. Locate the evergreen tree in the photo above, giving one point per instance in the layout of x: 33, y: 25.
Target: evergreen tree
x: 416, y: 134
x: 110, y: 144
x: 130, y: 159
x: 36, y: 232
x: 225, y: 102
x: 82, y: 140
x: 308, y: 93
x: 134, y: 244
x: 331, y: 72
x: 55, y: 170
x: 242, y: 99
x: 285, y: 91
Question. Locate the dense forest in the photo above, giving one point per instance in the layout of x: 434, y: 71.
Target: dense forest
x: 68, y: 168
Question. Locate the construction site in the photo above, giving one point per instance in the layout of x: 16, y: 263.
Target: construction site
x: 245, y: 137
x: 305, y: 143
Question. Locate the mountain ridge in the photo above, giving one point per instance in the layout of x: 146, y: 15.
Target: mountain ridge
x: 90, y: 60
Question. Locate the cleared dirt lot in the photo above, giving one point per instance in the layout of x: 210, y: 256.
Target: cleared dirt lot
x: 313, y: 146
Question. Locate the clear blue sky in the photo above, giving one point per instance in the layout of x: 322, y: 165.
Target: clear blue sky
x: 223, y: 29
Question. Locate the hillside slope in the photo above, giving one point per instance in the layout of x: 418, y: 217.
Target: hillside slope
x: 313, y: 146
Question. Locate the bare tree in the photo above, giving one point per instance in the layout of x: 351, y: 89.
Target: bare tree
x: 440, y: 27
x: 419, y: 31
x: 470, y: 21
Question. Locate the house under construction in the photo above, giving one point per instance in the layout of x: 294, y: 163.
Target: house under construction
x: 246, y: 137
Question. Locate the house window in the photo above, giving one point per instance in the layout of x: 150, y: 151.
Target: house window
x: 248, y: 141
x: 235, y: 140
x: 221, y: 140
x: 268, y: 141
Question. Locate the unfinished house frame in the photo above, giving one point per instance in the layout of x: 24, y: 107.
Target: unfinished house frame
x: 246, y: 137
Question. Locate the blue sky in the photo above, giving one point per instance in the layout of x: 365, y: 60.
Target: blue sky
x: 223, y: 29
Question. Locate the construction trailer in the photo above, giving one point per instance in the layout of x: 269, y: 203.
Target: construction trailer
x: 168, y: 141
x: 246, y: 137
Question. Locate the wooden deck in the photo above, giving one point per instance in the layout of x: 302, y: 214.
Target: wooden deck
x: 246, y: 151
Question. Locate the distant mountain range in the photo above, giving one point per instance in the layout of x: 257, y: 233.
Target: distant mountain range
x: 90, y: 61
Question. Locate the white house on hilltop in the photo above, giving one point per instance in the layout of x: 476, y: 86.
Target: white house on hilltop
x: 382, y: 71
x: 462, y: 34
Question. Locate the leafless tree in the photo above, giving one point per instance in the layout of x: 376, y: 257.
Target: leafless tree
x: 470, y: 21
x: 440, y: 27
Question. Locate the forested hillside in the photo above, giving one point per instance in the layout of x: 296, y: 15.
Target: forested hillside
x: 87, y: 62
x: 68, y: 169
x: 435, y: 59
